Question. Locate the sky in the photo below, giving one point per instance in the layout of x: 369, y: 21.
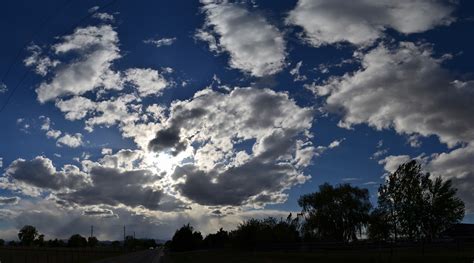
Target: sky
x: 154, y: 114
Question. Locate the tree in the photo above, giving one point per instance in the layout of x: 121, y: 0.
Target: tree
x: 39, y: 241
x: 2, y: 242
x: 185, y: 239
x: 92, y: 241
x: 335, y: 213
x: 217, y: 240
x: 27, y: 235
x: 414, y: 206
x: 77, y: 240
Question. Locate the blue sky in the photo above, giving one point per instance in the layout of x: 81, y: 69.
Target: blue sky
x: 158, y: 114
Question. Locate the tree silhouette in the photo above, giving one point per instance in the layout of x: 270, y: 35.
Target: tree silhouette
x: 255, y: 232
x: 27, y: 235
x: 92, y: 241
x: 335, y: 213
x: 77, y: 241
x: 185, y: 239
x: 413, y: 206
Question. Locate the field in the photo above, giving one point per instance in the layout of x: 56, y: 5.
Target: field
x: 56, y: 255
x: 407, y: 255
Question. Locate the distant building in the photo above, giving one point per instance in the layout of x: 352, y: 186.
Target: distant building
x: 463, y: 232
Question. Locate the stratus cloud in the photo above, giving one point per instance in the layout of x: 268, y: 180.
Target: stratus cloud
x: 245, y: 144
x: 254, y: 45
x: 405, y: 88
x: 9, y: 200
x: 96, y: 47
x: 360, y: 22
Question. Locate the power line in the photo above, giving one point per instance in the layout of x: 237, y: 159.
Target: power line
x: 25, y: 75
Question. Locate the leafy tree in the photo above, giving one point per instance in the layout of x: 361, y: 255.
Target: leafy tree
x: 217, y: 240
x: 442, y: 207
x: 335, y: 213
x: 92, y: 241
x: 39, y: 241
x: 115, y: 244
x: 27, y: 235
x: 414, y: 206
x: 77, y: 240
x: 255, y: 232
x: 185, y: 239
x: 2, y: 242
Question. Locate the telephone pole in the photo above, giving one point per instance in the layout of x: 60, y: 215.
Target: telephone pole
x: 92, y: 231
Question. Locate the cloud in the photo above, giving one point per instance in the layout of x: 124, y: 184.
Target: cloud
x: 160, y: 42
x: 253, y: 44
x: 245, y: 145
x: 392, y: 162
x: 40, y: 173
x: 9, y: 200
x: 99, y: 212
x: 41, y: 63
x: 404, y: 88
x: 94, y: 49
x: 147, y: 81
x: 46, y: 126
x: 295, y: 72
x: 69, y: 140
x: 3, y: 88
x: 361, y: 22
x: 457, y: 166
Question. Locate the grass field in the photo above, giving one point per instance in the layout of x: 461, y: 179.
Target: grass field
x: 49, y: 255
x: 372, y: 256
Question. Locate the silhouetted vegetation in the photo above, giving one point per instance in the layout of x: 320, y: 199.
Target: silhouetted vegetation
x: 185, y: 239
x: 335, y: 213
x: 27, y: 235
x: 412, y: 206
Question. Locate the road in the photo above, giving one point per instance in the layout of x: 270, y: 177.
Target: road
x: 145, y: 256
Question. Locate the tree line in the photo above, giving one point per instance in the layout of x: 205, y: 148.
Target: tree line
x: 411, y: 206
x: 30, y: 237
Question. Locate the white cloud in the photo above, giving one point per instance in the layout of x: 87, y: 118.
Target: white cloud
x: 295, y: 72
x: 160, y: 42
x: 41, y: 63
x: 392, y: 162
x: 360, y: 22
x: 106, y: 151
x: 404, y: 88
x: 96, y: 48
x: 104, y: 17
x: 245, y: 146
x: 3, y: 88
x: 147, y: 81
x: 73, y: 141
x: 253, y: 44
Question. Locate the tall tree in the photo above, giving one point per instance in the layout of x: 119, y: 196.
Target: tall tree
x: 335, y: 213
x: 27, y: 235
x: 415, y: 207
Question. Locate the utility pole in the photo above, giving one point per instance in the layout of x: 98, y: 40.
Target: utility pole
x: 124, y: 234
x: 133, y: 234
x: 92, y: 231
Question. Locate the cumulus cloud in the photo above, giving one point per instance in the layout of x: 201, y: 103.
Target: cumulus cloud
x: 95, y: 48
x: 405, y: 88
x: 360, y: 22
x: 253, y: 44
x: 245, y: 145
x: 46, y: 126
x: 147, y: 81
x: 42, y: 64
x: 73, y: 141
x: 41, y: 173
x: 160, y: 42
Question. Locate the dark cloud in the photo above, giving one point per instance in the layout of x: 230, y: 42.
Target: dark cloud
x: 9, y: 200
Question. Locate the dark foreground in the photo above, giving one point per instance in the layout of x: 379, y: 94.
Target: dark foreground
x: 51, y: 255
x: 406, y: 255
